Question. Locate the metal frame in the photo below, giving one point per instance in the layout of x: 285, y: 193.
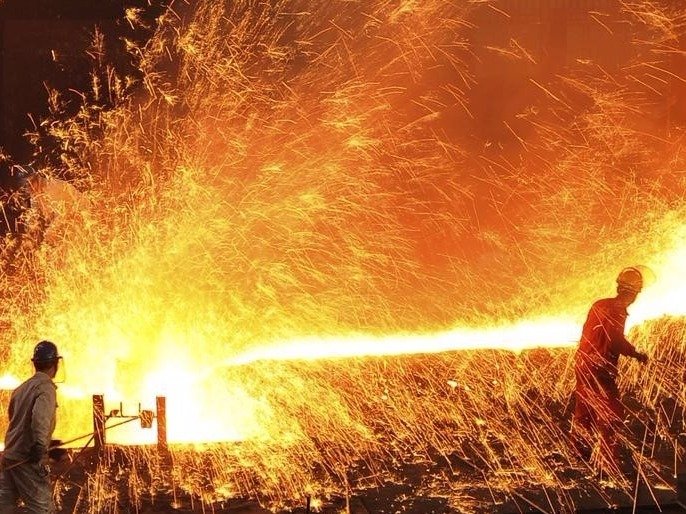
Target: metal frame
x: 100, y: 419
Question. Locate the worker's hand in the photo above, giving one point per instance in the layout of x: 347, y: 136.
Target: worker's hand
x: 641, y: 357
x: 37, y: 453
x: 55, y: 452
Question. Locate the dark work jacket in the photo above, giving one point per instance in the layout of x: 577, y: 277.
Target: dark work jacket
x: 32, y: 412
x: 602, y: 342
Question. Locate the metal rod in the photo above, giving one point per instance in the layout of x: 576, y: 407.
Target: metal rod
x: 99, y: 430
x: 99, y: 423
x: 161, y: 402
x: 92, y: 434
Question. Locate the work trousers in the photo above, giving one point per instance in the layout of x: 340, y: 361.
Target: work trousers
x: 28, y: 482
x: 598, y: 413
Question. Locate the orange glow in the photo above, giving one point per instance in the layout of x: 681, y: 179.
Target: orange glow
x: 193, y: 412
x: 292, y: 194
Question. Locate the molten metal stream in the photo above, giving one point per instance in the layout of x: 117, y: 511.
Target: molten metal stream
x: 186, y: 386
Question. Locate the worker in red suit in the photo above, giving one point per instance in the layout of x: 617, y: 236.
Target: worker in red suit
x: 599, y: 411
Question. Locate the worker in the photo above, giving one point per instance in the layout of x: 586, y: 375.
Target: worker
x: 598, y: 410
x: 24, y: 472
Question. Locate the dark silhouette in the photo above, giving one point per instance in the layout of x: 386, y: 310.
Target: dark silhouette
x: 599, y: 411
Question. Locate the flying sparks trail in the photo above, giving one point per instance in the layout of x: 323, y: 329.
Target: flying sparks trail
x: 294, y: 217
x: 660, y: 299
x: 532, y: 334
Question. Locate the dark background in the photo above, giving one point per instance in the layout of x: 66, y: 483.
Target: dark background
x: 45, y: 43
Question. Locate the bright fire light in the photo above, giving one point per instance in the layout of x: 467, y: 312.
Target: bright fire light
x: 288, y: 195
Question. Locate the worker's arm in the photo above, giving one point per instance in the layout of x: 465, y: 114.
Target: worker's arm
x: 621, y: 345
x: 41, y: 421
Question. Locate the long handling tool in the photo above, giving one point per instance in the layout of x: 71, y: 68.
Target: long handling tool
x: 144, y: 417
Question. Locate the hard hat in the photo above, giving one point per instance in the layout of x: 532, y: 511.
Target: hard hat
x: 45, y: 351
x: 630, y: 279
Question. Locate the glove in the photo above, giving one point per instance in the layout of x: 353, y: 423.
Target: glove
x: 37, y: 453
x: 57, y: 454
x: 641, y: 357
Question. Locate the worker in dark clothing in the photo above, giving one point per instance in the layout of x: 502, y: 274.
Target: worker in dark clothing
x: 24, y: 472
x: 599, y: 411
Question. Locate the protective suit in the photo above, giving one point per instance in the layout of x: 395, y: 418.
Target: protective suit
x: 599, y: 410
x: 24, y: 472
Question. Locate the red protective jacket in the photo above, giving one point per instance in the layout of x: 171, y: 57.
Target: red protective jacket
x: 602, y: 342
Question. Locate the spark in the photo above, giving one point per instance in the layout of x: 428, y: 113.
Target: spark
x: 301, y: 230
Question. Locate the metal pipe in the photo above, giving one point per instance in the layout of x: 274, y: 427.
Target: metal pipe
x: 99, y: 423
x: 161, y: 403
